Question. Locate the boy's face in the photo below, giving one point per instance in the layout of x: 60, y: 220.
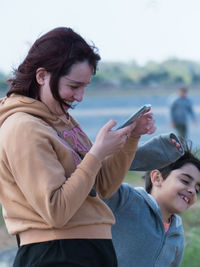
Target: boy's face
x: 179, y: 190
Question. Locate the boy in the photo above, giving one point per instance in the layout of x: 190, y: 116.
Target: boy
x: 148, y: 231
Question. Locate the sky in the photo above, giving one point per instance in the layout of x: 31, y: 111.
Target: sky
x: 123, y: 30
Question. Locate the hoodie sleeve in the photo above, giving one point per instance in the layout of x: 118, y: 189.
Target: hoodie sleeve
x: 179, y: 256
x: 114, y: 169
x: 158, y: 152
x: 180, y: 245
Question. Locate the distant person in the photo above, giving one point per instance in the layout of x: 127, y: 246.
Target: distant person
x: 180, y: 109
x: 148, y: 231
x: 52, y: 177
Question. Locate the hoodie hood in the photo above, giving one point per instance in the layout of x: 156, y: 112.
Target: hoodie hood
x: 149, y: 199
x: 17, y: 103
x: 151, y: 202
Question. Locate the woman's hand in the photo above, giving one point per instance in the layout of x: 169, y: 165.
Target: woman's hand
x: 144, y: 125
x: 109, y: 141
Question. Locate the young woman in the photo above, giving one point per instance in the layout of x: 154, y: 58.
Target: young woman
x: 51, y: 175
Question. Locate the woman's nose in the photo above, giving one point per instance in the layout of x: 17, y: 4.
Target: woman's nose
x: 78, y: 95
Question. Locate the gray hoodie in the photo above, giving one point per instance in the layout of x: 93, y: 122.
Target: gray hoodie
x: 138, y: 235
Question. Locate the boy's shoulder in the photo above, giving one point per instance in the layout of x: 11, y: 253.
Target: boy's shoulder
x: 129, y: 194
x: 128, y: 191
x: 124, y: 196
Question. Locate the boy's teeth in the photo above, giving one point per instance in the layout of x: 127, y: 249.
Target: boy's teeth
x: 185, y: 198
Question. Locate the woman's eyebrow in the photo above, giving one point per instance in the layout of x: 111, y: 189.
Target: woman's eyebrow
x: 76, y: 82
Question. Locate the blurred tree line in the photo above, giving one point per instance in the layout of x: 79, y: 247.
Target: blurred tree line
x: 169, y: 73
x: 3, y: 84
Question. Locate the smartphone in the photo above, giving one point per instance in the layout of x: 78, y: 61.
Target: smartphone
x: 135, y: 116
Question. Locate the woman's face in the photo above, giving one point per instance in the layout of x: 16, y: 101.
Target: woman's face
x: 71, y: 86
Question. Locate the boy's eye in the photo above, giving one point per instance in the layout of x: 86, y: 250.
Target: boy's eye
x: 197, y: 190
x: 184, y: 181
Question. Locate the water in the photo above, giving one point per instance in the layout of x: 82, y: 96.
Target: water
x: 93, y: 112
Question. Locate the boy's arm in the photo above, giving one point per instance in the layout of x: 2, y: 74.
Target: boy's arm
x: 179, y: 254
x: 178, y: 259
x: 157, y: 153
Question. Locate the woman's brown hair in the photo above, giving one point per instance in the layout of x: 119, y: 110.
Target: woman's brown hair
x: 56, y: 52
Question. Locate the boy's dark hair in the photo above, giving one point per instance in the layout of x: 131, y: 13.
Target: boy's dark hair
x: 188, y: 157
x: 56, y: 52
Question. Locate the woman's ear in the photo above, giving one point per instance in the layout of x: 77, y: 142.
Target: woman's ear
x: 156, y: 178
x: 41, y: 74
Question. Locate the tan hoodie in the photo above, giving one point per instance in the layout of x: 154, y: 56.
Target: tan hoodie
x: 46, y: 175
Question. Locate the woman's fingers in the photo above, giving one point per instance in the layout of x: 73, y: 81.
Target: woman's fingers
x: 144, y: 125
x: 177, y: 145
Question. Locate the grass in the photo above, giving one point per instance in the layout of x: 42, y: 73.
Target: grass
x: 191, y: 225
x: 134, y: 178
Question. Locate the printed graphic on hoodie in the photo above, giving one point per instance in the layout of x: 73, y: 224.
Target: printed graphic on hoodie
x: 74, y: 144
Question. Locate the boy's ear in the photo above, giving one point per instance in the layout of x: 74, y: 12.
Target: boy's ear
x: 41, y: 75
x: 156, y: 178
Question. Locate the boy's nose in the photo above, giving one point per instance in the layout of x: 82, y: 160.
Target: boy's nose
x: 192, y: 190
